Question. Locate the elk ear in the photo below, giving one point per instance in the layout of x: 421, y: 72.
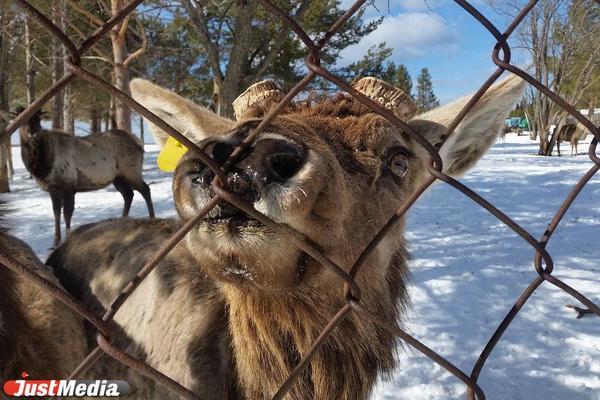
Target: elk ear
x: 194, y: 121
x: 477, y: 131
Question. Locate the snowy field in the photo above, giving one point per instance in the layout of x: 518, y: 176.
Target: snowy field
x: 468, y: 270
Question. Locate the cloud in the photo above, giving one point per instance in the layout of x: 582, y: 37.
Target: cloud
x: 410, y: 35
x: 384, y: 5
x: 415, y: 5
x: 428, y: 5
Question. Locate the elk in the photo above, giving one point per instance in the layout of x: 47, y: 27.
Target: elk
x: 233, y: 308
x: 64, y: 165
x: 38, y: 334
x: 572, y: 133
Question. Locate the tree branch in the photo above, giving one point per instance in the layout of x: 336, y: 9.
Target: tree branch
x: 136, y: 54
x: 83, y: 11
x: 124, y: 25
x: 276, y: 47
x: 196, y: 15
x: 238, y: 54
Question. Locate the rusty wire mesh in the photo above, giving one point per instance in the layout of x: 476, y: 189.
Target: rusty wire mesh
x: 501, y: 56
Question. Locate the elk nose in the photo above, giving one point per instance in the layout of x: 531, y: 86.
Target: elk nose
x: 268, y: 161
x: 219, y: 151
x: 273, y: 160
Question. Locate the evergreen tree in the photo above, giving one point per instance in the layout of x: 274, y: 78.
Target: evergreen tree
x: 243, y: 43
x: 425, y: 97
x: 376, y: 64
x: 372, y: 64
x: 403, y: 80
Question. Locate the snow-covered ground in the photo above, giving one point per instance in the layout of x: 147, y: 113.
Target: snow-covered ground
x: 468, y: 269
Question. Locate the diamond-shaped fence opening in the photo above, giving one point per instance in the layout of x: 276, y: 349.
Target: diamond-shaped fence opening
x: 543, y: 263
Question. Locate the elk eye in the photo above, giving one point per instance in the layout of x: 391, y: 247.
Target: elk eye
x: 398, y: 164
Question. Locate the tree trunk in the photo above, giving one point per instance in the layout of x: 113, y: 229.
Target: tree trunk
x: 121, y: 70
x: 215, y: 105
x: 112, y: 119
x: 68, y: 118
x: 57, y: 70
x: 543, y: 121
x: 591, y: 109
x: 122, y: 111
x: 142, y: 129
x: 95, y: 121
x: 5, y: 161
x: 544, y: 132
x: 228, y: 93
x: 29, y: 69
x: 4, y: 173
x: 11, y: 169
x: 533, y: 133
x: 554, y: 137
x: 543, y: 143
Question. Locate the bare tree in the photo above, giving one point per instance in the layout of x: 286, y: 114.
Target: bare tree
x: 30, y: 71
x: 228, y: 84
x: 561, y: 37
x: 68, y: 116
x: 57, y: 65
x: 121, y: 59
x: 576, y: 57
x: 7, y: 26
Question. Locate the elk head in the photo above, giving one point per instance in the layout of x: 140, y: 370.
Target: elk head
x: 334, y: 171
x: 33, y: 125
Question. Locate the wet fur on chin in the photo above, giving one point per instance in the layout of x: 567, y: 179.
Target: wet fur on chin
x: 252, y: 257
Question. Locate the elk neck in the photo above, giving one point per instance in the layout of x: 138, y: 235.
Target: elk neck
x: 271, y: 332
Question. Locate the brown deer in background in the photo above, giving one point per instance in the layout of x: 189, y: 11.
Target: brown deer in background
x: 64, y: 165
x: 571, y: 133
x: 38, y: 334
x: 233, y: 308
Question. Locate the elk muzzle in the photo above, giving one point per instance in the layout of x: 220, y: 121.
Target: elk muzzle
x: 270, y: 163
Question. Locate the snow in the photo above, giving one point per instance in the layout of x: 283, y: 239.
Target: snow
x: 468, y: 270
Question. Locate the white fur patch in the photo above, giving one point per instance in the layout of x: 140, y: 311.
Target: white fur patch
x: 278, y: 200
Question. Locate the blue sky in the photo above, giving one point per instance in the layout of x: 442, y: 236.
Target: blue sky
x: 437, y: 34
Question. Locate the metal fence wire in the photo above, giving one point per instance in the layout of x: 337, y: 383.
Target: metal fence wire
x: 501, y: 56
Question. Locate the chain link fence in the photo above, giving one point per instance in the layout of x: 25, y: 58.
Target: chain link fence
x: 501, y: 56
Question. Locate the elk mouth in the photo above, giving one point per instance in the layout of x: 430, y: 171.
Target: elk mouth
x: 232, y: 217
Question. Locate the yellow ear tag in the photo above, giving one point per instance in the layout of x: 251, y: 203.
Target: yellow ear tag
x: 170, y: 155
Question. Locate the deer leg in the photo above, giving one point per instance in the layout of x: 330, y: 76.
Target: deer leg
x: 145, y: 192
x: 56, y: 207
x: 127, y: 192
x: 69, y: 207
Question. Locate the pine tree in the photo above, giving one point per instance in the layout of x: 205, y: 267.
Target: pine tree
x: 372, y: 64
x: 403, y: 80
x: 376, y: 64
x: 425, y: 97
x: 243, y: 43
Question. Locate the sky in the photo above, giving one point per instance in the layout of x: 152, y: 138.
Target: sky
x: 434, y: 34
